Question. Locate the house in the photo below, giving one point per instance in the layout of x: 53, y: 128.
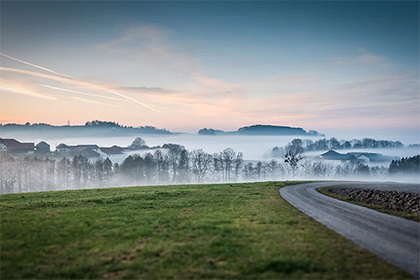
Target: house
x: 93, y: 147
x: 86, y: 152
x: 363, y: 158
x: 112, y: 151
x: 15, y: 147
x: 42, y: 148
x: 355, y: 157
x: 64, y: 149
x: 333, y: 155
x: 371, y: 157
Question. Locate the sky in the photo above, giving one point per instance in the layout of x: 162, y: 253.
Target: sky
x: 183, y: 65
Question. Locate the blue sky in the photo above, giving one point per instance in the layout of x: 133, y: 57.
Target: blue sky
x: 222, y: 64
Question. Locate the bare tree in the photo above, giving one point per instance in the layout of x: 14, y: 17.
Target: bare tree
x: 272, y: 168
x: 218, y: 166
x: 8, y: 176
x: 293, y: 154
x: 161, y: 166
x: 238, y: 162
x: 201, y: 162
x: 248, y: 171
x: 184, y: 166
x: 259, y: 170
x: 174, y: 160
x: 150, y: 167
x: 228, y: 156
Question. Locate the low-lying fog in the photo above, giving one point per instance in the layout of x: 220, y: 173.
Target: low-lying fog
x: 253, y: 147
x: 23, y: 174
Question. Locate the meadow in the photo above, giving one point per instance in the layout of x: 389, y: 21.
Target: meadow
x: 174, y: 232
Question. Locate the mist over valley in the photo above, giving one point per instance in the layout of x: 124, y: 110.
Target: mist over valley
x: 209, y: 139
x: 154, y: 157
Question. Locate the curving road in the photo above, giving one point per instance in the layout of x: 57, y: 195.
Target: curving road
x: 394, y: 239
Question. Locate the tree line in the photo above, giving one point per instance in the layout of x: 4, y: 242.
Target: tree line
x: 407, y: 165
x: 175, y: 166
x: 324, y: 144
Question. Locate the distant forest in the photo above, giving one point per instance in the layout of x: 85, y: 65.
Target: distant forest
x: 334, y: 144
x: 177, y: 166
x: 405, y: 165
x: 103, y: 127
x: 261, y: 130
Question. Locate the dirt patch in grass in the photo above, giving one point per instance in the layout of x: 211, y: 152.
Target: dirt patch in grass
x: 113, y: 274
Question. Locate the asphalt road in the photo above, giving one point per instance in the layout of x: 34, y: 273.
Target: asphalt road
x: 394, y: 239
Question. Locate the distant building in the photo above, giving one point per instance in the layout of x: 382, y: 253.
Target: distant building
x: 371, y: 157
x: 112, y: 151
x: 93, y: 147
x: 15, y: 147
x: 64, y: 149
x: 333, y: 155
x: 42, y: 148
x: 91, y: 151
x: 363, y: 158
x: 86, y: 152
x: 355, y: 157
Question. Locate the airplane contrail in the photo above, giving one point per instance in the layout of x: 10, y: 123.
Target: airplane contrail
x: 82, y: 93
x: 129, y: 98
x: 104, y: 89
x: 68, y: 79
x: 36, y: 66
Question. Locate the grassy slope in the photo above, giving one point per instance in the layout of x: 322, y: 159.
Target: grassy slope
x: 197, y: 231
x: 409, y: 216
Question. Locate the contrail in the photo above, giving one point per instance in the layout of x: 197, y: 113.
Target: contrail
x: 36, y: 66
x: 129, y: 98
x: 70, y: 80
x: 104, y: 89
x: 82, y: 93
x: 92, y: 101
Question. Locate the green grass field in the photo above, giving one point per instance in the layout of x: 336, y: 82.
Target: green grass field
x: 165, y: 232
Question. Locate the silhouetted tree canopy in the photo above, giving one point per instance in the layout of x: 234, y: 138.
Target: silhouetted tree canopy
x: 138, y: 143
x: 408, y: 165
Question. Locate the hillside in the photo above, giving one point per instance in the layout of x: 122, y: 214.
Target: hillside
x: 262, y: 130
x: 91, y: 128
x: 233, y: 231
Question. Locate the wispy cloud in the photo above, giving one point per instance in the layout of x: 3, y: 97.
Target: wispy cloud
x: 93, y: 101
x: 152, y: 34
x: 147, y: 90
x: 362, y: 58
x: 76, y: 82
x: 150, y: 46
x: 369, y: 102
x: 193, y: 97
x: 297, y: 98
x: 368, y: 57
x: 24, y: 89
